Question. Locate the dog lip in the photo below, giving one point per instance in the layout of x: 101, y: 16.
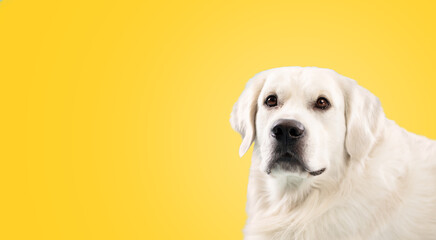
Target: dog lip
x: 292, y: 156
x: 291, y: 160
x: 316, y: 173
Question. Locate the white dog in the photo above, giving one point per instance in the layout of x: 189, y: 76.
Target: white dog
x: 328, y: 164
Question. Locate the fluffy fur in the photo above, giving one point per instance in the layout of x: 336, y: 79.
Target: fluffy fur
x: 380, y: 180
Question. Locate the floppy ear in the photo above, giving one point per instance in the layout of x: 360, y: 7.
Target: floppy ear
x: 364, y: 118
x: 244, y: 111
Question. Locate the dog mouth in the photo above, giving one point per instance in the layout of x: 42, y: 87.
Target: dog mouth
x: 316, y: 173
x: 291, y: 162
x: 288, y: 161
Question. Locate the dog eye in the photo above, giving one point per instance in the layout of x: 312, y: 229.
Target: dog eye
x: 271, y: 101
x: 322, y: 103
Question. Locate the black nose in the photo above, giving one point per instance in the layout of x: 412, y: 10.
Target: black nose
x: 286, y: 128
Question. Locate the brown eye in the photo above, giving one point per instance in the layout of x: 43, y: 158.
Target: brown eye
x: 271, y: 101
x: 322, y: 103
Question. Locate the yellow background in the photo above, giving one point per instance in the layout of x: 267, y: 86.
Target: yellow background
x: 115, y: 114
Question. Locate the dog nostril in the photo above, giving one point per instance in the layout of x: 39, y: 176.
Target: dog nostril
x: 295, y: 132
x: 277, y: 131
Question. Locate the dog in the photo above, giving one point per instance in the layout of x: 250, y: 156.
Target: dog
x: 328, y: 164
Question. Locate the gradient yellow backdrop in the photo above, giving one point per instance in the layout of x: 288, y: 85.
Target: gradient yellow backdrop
x: 115, y: 114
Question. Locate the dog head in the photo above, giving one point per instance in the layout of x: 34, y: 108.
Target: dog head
x: 306, y: 121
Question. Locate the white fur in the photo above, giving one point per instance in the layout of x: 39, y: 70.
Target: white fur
x: 380, y: 180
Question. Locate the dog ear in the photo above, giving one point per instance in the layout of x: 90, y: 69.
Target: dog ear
x: 244, y: 111
x: 364, y: 119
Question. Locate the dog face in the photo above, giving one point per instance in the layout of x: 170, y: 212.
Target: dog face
x: 305, y: 121
x: 300, y: 122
